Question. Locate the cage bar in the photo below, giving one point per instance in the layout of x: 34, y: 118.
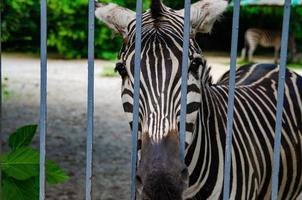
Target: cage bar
x: 43, y: 98
x: 184, y: 83
x: 231, y: 97
x: 280, y: 99
x: 0, y: 96
x: 138, y: 45
x: 90, y: 102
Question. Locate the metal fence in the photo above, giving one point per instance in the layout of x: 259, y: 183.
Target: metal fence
x: 90, y: 100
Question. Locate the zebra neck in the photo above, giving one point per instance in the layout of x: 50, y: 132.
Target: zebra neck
x: 205, y: 154
x: 206, y: 78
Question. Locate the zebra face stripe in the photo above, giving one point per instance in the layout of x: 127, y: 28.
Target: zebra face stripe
x: 160, y: 88
x: 162, y: 41
x: 160, y: 75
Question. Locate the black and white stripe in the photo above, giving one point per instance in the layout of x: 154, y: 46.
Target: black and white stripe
x: 254, y: 113
x: 160, y: 73
x: 252, y: 152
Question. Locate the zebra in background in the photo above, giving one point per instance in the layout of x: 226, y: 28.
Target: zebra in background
x: 161, y: 174
x: 265, y: 38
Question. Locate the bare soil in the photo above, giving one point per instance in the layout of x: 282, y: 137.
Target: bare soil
x: 66, y: 125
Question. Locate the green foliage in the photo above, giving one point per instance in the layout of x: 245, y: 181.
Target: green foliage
x: 54, y: 173
x: 22, y: 137
x: 21, y: 164
x: 22, y: 190
x: 20, y: 25
x: 67, y: 28
x: 20, y: 167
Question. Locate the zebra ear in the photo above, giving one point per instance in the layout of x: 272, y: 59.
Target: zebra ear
x: 204, y: 13
x: 115, y: 17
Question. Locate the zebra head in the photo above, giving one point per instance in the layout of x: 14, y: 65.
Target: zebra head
x: 161, y: 173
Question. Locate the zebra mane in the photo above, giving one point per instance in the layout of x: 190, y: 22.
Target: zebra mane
x: 156, y: 9
x: 205, y: 74
x: 206, y: 77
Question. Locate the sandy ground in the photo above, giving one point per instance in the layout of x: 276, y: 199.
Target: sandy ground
x: 66, y: 137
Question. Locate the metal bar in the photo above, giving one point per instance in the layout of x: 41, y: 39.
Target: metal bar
x: 280, y: 100
x: 231, y: 96
x: 184, y: 74
x: 138, y: 45
x: 90, y: 102
x: 0, y: 95
x: 43, y: 103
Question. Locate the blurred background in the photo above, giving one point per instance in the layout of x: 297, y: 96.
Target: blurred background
x: 67, y: 82
x: 67, y: 26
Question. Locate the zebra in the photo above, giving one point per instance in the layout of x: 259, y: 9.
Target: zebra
x: 161, y: 174
x: 265, y: 38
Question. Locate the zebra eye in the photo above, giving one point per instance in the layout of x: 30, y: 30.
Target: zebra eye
x: 195, y: 64
x: 121, y: 69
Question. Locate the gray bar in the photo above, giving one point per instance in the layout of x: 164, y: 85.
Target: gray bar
x: 0, y: 96
x: 231, y: 96
x: 138, y: 46
x: 184, y: 75
x: 280, y: 100
x: 43, y: 103
x: 90, y: 102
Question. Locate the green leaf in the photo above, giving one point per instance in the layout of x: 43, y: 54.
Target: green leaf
x: 22, y: 137
x: 54, y: 174
x: 22, y: 163
x: 3, y: 157
x: 20, y: 190
x: 10, y: 190
x: 29, y: 188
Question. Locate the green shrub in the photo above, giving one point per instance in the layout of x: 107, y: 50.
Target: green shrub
x: 67, y: 28
x: 20, y: 167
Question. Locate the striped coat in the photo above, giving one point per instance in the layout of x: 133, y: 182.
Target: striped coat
x: 161, y: 174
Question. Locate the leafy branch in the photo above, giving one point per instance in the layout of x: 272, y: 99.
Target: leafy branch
x: 20, y: 167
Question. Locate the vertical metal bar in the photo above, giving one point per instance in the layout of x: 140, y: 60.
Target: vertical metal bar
x: 184, y: 74
x: 0, y: 94
x: 138, y: 45
x: 281, y: 85
x: 231, y: 96
x: 90, y: 102
x: 43, y: 103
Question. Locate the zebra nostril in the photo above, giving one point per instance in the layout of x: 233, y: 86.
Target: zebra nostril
x: 138, y: 180
x: 139, y: 183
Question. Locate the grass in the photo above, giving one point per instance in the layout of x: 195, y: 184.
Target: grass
x: 242, y: 62
x: 5, y: 92
x: 295, y: 65
x: 239, y: 62
x: 108, y: 71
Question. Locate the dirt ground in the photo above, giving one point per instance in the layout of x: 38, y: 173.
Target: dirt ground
x: 66, y: 126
